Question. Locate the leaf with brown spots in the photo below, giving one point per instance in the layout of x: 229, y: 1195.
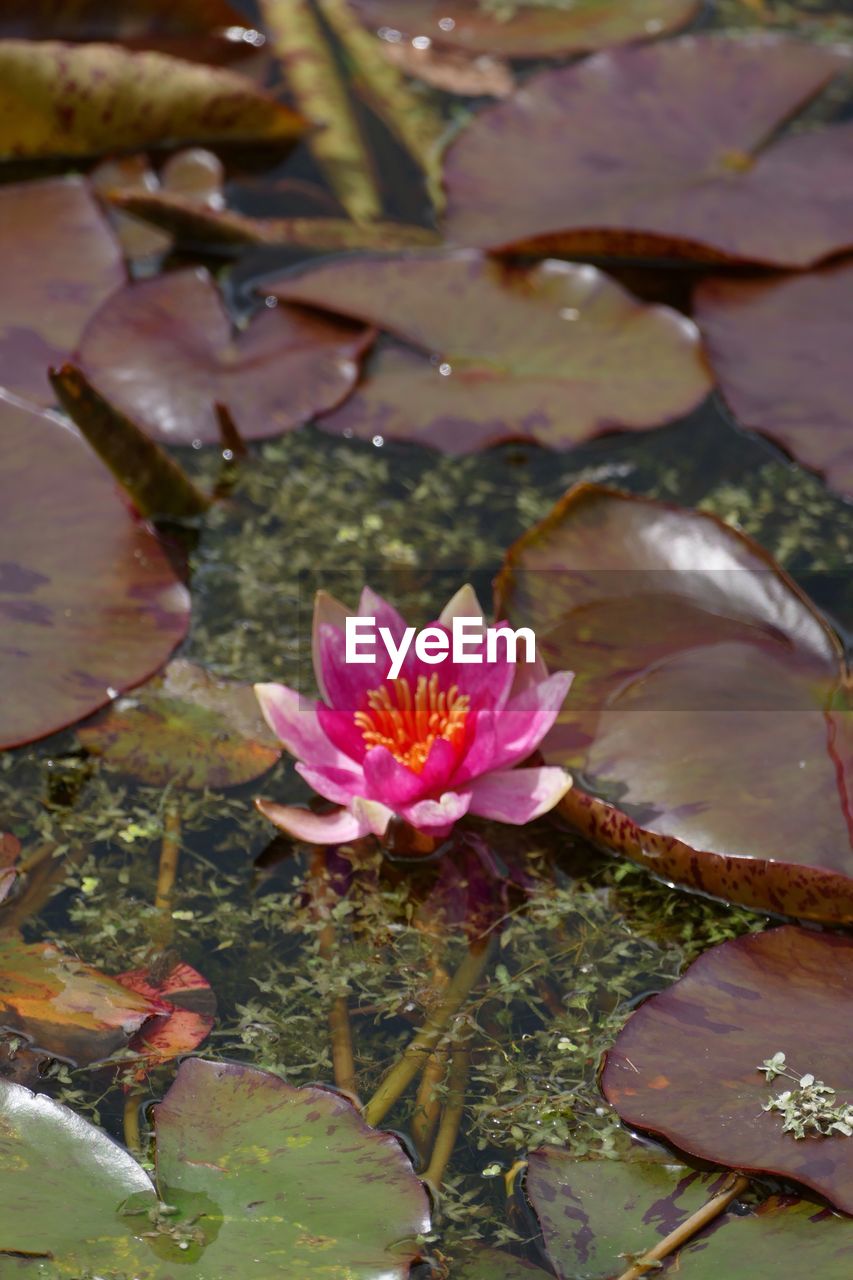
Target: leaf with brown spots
x: 186, y: 729
x: 188, y: 1015
x: 667, y: 149
x: 709, y: 725
x: 83, y: 100
x: 789, y: 990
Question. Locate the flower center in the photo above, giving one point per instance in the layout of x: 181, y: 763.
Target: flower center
x: 408, y: 725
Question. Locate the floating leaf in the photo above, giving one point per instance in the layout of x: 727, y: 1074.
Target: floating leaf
x: 185, y: 728
x: 157, y: 484
x: 688, y: 639
x: 483, y: 1263
x: 781, y: 351
x: 164, y: 353
x: 81, y: 100
x: 252, y: 1168
x: 502, y: 353
x: 187, y: 1019
x: 529, y: 30
x: 194, y: 224
x: 89, y: 603
x: 451, y: 70
x: 59, y: 261
x: 64, y: 1008
x: 596, y: 1215
x: 661, y: 150
x: 687, y: 1063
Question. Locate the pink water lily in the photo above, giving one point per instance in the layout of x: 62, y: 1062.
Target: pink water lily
x: 437, y: 742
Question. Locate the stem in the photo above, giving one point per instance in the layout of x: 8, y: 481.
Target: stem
x: 688, y: 1228
x: 428, y: 1102
x: 132, y: 1139
x: 409, y: 1063
x: 169, y: 853
x: 451, y: 1116
x: 343, y: 1062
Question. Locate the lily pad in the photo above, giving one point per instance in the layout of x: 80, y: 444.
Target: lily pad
x: 83, y: 100
x: 187, y: 1017
x: 596, y: 1215
x: 531, y: 31
x: 164, y: 352
x: 503, y: 353
x: 133, y: 21
x: 781, y: 351
x: 668, y: 149
x: 483, y: 1263
x: 89, y: 602
x: 59, y: 261
x: 254, y: 1169
x: 686, y: 1064
x: 689, y: 639
x: 64, y: 1008
x: 187, y: 729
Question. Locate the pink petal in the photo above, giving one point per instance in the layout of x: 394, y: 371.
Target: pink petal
x: 388, y: 780
x: 480, y: 754
x: 371, y: 605
x: 486, y: 683
x: 338, y: 785
x: 376, y: 815
x: 341, y: 730
x: 331, y: 613
x: 440, y: 763
x: 463, y: 605
x: 517, y: 796
x: 315, y: 828
x: 436, y: 817
x: 293, y: 720
x: 528, y: 717
x: 346, y: 684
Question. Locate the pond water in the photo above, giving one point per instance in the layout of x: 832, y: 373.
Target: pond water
x: 584, y: 937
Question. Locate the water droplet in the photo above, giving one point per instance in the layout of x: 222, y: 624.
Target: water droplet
x: 111, y: 692
x: 228, y: 454
x: 391, y: 34
x: 347, y: 433
x: 421, y: 42
x: 270, y: 300
x: 445, y: 369
x: 197, y: 444
x: 569, y: 313
x: 378, y: 441
x: 447, y: 24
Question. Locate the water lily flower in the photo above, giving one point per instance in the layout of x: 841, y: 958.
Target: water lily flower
x: 437, y: 742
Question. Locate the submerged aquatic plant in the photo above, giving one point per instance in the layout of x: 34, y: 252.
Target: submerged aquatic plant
x: 427, y: 747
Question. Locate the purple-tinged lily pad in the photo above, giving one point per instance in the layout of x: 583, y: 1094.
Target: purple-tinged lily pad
x: 661, y: 150
x: 557, y: 354
x: 781, y: 351
x: 89, y: 603
x: 164, y: 353
x: 690, y: 641
x: 59, y: 260
x: 687, y: 1063
x: 185, y: 728
x: 597, y: 1215
x: 531, y: 30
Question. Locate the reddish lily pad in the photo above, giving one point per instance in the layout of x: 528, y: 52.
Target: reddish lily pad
x: 532, y: 31
x: 596, y: 1215
x: 164, y: 353
x: 185, y: 1022
x: 83, y: 100
x: 64, y: 1008
x: 89, y: 603
x: 185, y: 728
x: 503, y: 353
x: 661, y: 150
x: 686, y: 1063
x: 689, y: 639
x: 10, y: 848
x: 781, y: 351
x: 257, y: 1173
x: 59, y: 261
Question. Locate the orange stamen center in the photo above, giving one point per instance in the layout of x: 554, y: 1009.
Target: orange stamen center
x: 407, y: 725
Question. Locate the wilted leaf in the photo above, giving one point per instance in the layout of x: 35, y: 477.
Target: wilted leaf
x: 187, y: 729
x: 251, y: 1167
x: 661, y: 150
x: 687, y: 1063
x: 131, y: 21
x: 525, y: 30
x: 187, y: 1019
x: 596, y: 1215
x: 502, y: 353
x: 63, y: 1007
x: 451, y: 70
x: 781, y: 351
x: 89, y: 603
x: 164, y: 352
x: 80, y: 100
x: 58, y: 262
x: 689, y: 640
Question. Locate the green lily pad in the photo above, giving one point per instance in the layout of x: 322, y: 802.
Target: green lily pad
x: 688, y: 639
x: 558, y: 353
x: 597, y: 1215
x: 185, y: 728
x: 262, y: 1179
x: 483, y: 1263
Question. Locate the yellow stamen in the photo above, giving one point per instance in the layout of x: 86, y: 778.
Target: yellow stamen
x: 409, y: 726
